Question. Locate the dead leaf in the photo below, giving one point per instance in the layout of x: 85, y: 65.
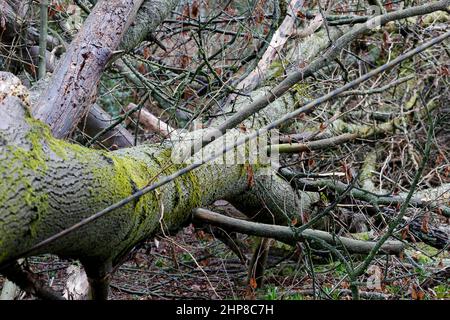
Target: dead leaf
x: 204, y: 263
x: 253, y: 283
x: 440, y: 158
x: 33, y: 69
x: 444, y: 71
x: 186, y: 12
x: 194, y: 9
x: 249, y: 294
x: 420, y: 295
x: 405, y: 232
x: 259, y: 17
x: 347, y: 170
x: 305, y: 217
x: 242, y: 128
x: 185, y: 60
x: 447, y: 171
x: 417, y: 293
x: 300, y: 15
x: 389, y: 6
x: 322, y: 127
x: 141, y: 68
x: 200, y: 234
x: 425, y: 222
x: 147, y: 53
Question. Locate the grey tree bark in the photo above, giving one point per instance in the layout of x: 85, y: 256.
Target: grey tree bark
x: 47, y: 185
x: 63, y: 183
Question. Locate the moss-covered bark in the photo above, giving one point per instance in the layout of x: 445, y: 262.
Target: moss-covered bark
x: 47, y: 185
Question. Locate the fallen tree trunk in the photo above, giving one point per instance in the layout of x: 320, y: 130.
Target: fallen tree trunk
x: 150, y: 14
x: 70, y: 92
x: 97, y: 121
x: 49, y: 185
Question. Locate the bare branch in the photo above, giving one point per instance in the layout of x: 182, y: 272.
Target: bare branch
x: 289, y: 235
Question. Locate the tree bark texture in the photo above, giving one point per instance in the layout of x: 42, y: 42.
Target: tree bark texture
x: 48, y: 185
x: 72, y: 87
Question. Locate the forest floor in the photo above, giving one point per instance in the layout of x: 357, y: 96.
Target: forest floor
x: 194, y: 265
